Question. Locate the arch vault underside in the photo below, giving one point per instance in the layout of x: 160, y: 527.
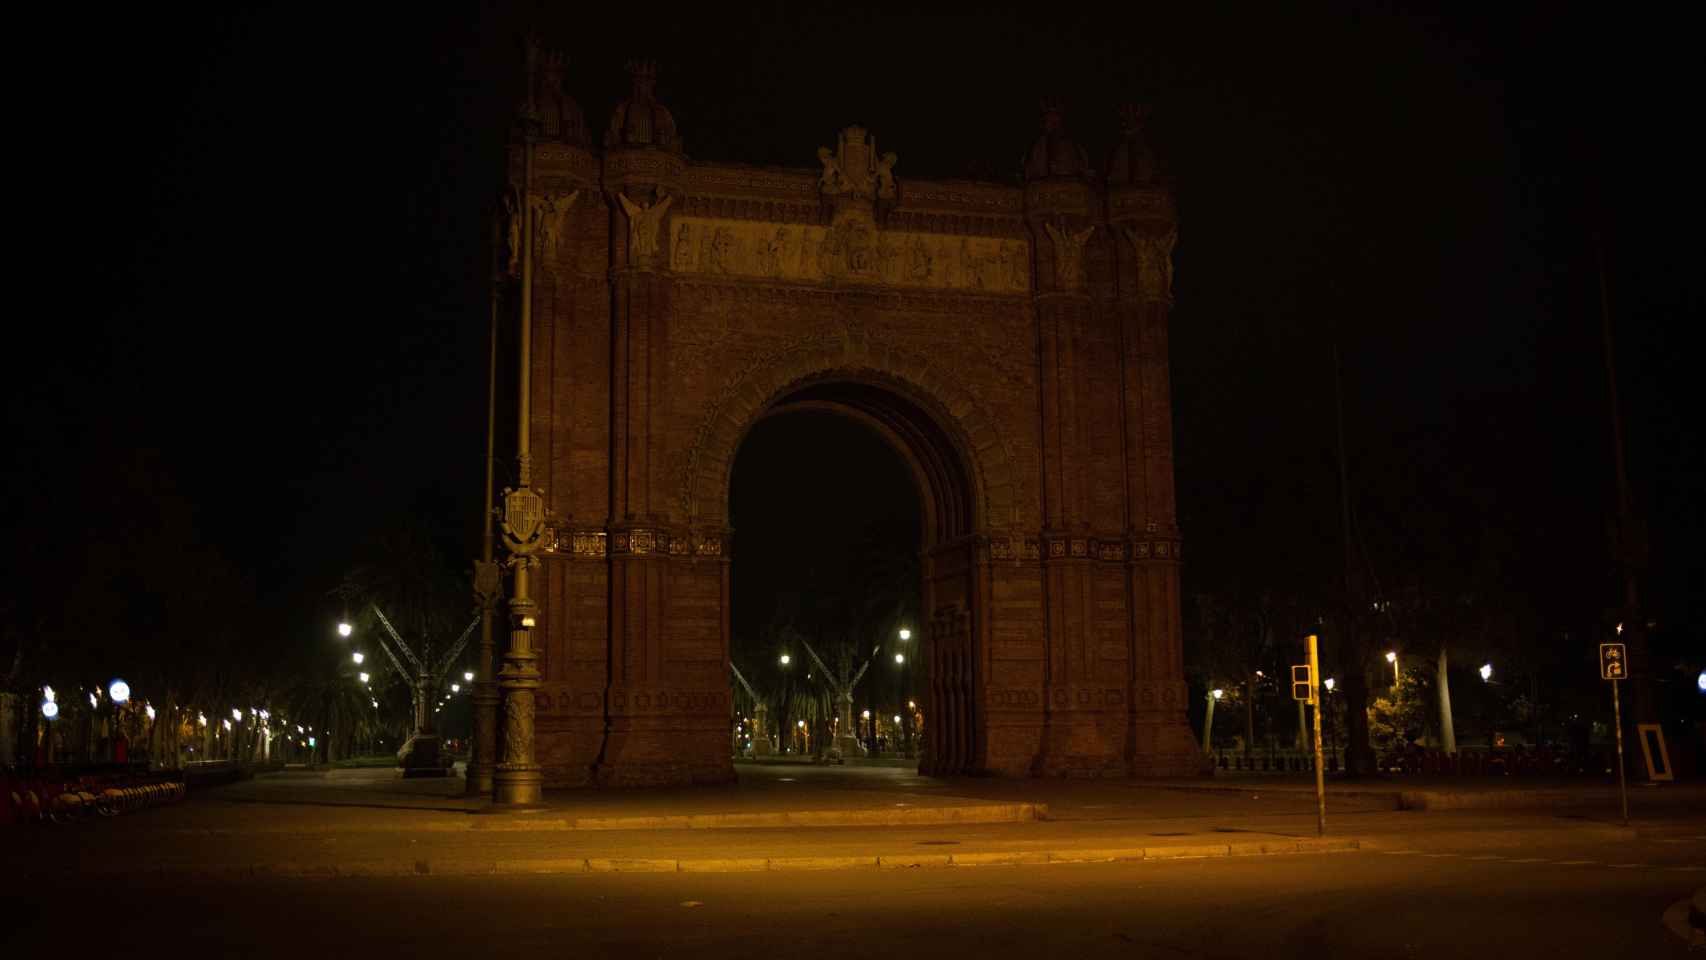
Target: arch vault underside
x: 1011, y: 338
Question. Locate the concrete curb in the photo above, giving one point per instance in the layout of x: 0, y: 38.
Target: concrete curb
x: 1495, y: 839
x: 506, y: 822
x: 481, y: 866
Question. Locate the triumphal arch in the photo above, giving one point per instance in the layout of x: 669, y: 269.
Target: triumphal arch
x: 1008, y: 339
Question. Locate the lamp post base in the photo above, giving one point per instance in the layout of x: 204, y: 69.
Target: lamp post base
x: 518, y: 788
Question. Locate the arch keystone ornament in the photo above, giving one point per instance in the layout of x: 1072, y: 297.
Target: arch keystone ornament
x: 1007, y: 340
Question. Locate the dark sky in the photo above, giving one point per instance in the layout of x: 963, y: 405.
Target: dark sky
x: 265, y: 248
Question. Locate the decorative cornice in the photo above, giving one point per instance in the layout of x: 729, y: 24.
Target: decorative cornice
x: 597, y: 544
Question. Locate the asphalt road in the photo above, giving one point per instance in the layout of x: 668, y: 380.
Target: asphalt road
x: 1599, y: 901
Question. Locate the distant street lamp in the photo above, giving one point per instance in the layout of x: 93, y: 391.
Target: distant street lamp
x: 358, y: 657
x: 49, y: 709
x: 362, y: 677
x: 785, y: 659
x: 1700, y: 681
x: 1486, y: 672
x: 119, y: 691
x: 1329, y: 683
x: 905, y: 634
x: 344, y: 629
x: 468, y: 675
x: 900, y: 658
x: 1392, y: 658
x: 456, y: 688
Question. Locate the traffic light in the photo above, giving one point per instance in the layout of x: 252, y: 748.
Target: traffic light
x: 1302, y: 683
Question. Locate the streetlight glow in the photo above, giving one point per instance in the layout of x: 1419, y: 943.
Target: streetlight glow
x: 227, y: 724
x: 785, y: 659
x: 236, y: 714
x: 905, y: 634
x: 468, y: 675
x: 1486, y: 671
x: 94, y: 701
x: 1216, y: 693
x: 202, y: 718
x: 150, y: 709
x: 800, y: 723
x: 897, y: 718
x: 363, y: 677
x: 344, y: 629
x: 49, y: 709
x: 456, y: 688
x: 358, y: 656
x: 1700, y: 681
x: 47, y: 694
x: 864, y: 714
x: 1328, y: 683
x: 1391, y: 656
x: 900, y: 658
x: 119, y: 691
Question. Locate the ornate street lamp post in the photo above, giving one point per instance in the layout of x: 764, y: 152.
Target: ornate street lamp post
x: 518, y: 780
x: 482, y: 764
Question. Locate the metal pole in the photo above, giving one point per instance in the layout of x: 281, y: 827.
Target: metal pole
x: 485, y: 697
x: 1320, y: 768
x: 1622, y: 785
x: 518, y: 780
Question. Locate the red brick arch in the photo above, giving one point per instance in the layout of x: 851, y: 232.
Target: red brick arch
x: 851, y: 356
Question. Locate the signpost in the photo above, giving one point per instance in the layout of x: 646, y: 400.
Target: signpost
x: 1613, y: 666
x: 1306, y: 688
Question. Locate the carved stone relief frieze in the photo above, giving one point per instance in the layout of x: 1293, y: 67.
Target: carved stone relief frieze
x: 850, y: 250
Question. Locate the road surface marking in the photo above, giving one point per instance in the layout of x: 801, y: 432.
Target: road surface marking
x: 1487, y: 856
x: 1575, y: 863
x: 1530, y: 860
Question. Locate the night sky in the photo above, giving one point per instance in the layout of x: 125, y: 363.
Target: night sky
x: 265, y: 240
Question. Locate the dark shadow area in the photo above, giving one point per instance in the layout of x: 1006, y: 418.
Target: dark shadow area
x: 827, y: 532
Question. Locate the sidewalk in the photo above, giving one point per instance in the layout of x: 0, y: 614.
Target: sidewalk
x: 779, y: 817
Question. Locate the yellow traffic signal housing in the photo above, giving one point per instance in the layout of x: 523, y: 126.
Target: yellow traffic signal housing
x: 1302, y: 684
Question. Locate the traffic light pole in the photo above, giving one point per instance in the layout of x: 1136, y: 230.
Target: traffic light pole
x: 1622, y: 784
x: 1320, y: 768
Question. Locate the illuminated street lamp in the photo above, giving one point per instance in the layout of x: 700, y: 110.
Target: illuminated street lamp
x: 900, y: 658
x: 905, y: 634
x: 358, y: 657
x: 344, y: 629
x: 1486, y: 672
x: 150, y: 710
x: 456, y: 688
x: 785, y: 660
x: 468, y: 676
x: 49, y: 709
x: 864, y: 714
x: 236, y: 714
x: 119, y: 691
x: 1392, y: 658
x: 1700, y: 682
x: 1328, y: 683
x: 362, y: 677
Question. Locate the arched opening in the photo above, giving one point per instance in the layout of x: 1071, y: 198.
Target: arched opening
x: 840, y: 493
